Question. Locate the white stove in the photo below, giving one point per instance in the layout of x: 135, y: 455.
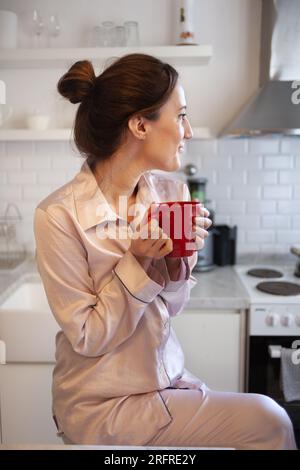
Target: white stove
x: 271, y: 314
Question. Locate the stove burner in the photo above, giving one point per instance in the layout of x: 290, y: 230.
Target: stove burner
x: 279, y: 288
x: 265, y: 273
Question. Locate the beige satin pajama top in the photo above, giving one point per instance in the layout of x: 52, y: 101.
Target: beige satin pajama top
x: 116, y: 349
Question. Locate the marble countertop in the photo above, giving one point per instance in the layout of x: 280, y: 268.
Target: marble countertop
x: 219, y: 288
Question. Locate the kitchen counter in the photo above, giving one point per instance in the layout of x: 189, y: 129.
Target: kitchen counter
x: 216, y: 289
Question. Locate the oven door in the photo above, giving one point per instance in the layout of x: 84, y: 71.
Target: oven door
x: 264, y: 373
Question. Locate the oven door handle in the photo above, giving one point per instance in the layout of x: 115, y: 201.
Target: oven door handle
x: 274, y: 351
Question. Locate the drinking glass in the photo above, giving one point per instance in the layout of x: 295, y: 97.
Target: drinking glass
x: 37, y: 27
x: 132, y: 33
x: 120, y: 36
x: 54, y: 29
x: 108, y: 33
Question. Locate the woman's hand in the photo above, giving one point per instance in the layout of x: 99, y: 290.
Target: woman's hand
x: 201, y: 223
x: 149, y: 241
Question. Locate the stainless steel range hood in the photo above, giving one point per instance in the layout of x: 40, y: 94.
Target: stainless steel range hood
x: 272, y: 110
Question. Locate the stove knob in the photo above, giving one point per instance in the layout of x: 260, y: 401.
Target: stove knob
x: 287, y: 320
x: 298, y: 320
x: 272, y: 319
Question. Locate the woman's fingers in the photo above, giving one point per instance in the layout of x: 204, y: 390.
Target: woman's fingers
x: 203, y: 222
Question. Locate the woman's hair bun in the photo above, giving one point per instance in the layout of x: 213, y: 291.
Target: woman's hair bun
x: 77, y: 83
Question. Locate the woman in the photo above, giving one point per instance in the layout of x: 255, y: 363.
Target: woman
x: 119, y: 377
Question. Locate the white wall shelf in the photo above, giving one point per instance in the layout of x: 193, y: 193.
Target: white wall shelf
x: 10, y: 135
x: 62, y: 57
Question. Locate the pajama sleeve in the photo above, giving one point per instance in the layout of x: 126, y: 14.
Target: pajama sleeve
x: 95, y: 322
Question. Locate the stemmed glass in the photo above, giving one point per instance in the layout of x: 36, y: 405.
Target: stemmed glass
x: 37, y: 27
x: 54, y: 29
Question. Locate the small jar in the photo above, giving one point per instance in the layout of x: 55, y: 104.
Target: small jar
x: 120, y: 36
x: 108, y: 33
x: 132, y: 33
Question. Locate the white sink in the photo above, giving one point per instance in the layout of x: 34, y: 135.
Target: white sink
x: 27, y: 325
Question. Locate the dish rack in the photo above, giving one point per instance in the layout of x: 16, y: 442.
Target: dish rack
x: 11, y: 253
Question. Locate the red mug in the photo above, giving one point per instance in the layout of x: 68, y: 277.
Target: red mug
x: 176, y: 219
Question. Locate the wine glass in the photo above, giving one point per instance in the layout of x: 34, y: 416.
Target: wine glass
x: 37, y: 27
x: 54, y: 29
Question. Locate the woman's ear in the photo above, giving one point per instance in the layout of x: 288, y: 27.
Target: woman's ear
x: 138, y: 126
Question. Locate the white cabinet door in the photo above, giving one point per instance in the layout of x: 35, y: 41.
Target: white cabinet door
x: 25, y: 404
x: 211, y: 341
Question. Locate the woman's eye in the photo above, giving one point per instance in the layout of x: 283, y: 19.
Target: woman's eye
x: 183, y: 115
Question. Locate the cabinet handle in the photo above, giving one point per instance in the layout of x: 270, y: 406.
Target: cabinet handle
x: 2, y: 352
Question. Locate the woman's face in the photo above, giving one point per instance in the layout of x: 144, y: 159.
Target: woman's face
x: 165, y: 137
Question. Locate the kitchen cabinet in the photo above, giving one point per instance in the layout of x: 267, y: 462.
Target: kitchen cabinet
x: 25, y: 404
x: 213, y: 342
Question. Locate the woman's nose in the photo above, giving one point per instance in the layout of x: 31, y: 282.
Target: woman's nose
x: 188, y: 133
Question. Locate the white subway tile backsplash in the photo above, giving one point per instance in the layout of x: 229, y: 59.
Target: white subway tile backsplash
x: 231, y: 177
x: 290, y: 145
x: 252, y: 163
x: 52, y: 177
x: 289, y: 177
x: 41, y: 162
x: 19, y: 149
x: 245, y: 222
x: 263, y: 146
x: 246, y: 192
x: 22, y: 177
x: 297, y: 192
x: 209, y: 162
x: 9, y: 193
x: 277, y: 162
x: 289, y: 207
x: 276, y: 221
x: 261, y: 207
x: 36, y: 193
x: 232, y: 146
x: 202, y: 147
x: 277, y: 192
x: 288, y: 236
x: 260, y: 236
x: 262, y: 177
x: 296, y: 221
x: 10, y: 163
x: 297, y: 161
x: 65, y: 162
x: 215, y: 192
x: 231, y: 207
x: 50, y: 148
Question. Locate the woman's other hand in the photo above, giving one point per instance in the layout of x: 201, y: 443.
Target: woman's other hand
x: 150, y: 241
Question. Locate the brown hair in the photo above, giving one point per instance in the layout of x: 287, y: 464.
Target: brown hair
x: 135, y: 83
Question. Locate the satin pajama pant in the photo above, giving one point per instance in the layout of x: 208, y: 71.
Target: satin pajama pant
x: 224, y: 419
